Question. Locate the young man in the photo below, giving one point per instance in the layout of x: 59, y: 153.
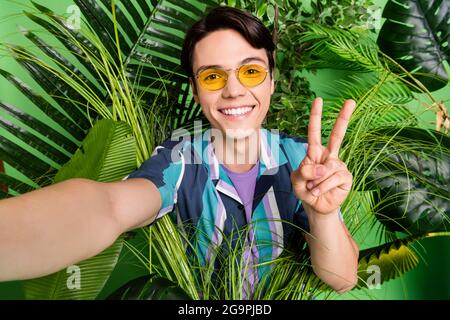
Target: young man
x: 235, y: 174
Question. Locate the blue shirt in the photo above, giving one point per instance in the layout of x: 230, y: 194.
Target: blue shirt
x: 196, y: 190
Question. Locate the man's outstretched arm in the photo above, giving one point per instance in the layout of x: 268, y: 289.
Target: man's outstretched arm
x: 46, y: 230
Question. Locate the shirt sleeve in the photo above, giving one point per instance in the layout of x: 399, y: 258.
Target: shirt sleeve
x: 165, y: 169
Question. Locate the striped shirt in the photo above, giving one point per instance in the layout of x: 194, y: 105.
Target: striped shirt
x: 196, y: 190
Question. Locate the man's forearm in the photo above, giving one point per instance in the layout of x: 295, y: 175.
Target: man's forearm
x: 48, y: 229
x: 334, y: 254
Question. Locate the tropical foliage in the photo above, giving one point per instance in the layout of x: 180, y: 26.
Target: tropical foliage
x: 122, y: 65
x: 399, y: 170
x: 106, y: 155
x: 416, y: 35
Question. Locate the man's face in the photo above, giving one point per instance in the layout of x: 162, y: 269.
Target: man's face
x: 228, y: 49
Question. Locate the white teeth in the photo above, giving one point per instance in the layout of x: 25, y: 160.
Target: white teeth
x: 238, y: 111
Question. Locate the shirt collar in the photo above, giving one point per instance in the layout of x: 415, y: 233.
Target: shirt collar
x: 271, y: 155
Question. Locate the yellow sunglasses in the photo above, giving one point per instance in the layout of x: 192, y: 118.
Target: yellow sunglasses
x: 249, y: 75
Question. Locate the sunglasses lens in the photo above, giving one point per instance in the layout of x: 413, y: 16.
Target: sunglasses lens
x: 252, y: 75
x: 213, y: 79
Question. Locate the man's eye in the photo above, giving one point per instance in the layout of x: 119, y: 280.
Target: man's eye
x: 251, y: 71
x: 212, y: 77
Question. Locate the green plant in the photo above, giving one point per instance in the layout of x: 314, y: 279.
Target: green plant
x: 416, y: 35
x: 149, y: 288
x: 379, y: 142
x: 413, y: 174
x: 290, y: 275
x: 124, y: 82
x: 288, y: 20
x: 107, y: 154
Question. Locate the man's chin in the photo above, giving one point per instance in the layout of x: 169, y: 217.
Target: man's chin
x: 241, y: 133
x: 231, y: 132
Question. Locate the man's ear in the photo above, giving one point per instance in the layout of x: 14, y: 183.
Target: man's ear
x: 194, y: 90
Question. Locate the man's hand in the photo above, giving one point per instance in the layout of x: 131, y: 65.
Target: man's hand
x: 322, y: 180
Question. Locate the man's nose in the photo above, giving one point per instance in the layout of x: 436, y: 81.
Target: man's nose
x: 233, y: 87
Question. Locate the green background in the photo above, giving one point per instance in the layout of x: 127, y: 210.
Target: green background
x: 430, y: 280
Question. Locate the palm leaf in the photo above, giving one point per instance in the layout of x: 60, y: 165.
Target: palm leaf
x: 24, y: 161
x: 107, y: 154
x: 150, y: 46
x: 413, y: 180
x: 94, y: 273
x: 67, y: 97
x: 150, y: 39
x: 44, y: 140
x: 53, y: 145
x: 416, y: 34
x: 149, y: 287
x: 39, y: 126
x: 388, y: 89
x: 385, y: 262
x: 337, y: 49
x: 382, y: 96
x: 55, y: 114
x: 13, y: 184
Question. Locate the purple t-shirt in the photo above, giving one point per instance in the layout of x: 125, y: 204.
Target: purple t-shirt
x: 244, y: 183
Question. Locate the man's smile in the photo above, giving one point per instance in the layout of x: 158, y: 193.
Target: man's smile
x: 237, y: 112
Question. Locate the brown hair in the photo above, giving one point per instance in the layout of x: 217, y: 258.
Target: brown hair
x: 224, y: 17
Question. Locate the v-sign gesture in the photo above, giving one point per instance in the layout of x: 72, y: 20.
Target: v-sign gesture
x: 322, y: 181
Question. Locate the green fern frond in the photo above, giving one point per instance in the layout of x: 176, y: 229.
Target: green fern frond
x: 334, y: 48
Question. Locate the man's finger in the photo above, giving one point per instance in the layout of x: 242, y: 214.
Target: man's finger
x: 341, y: 179
x: 311, y: 171
x: 314, y: 126
x: 331, y: 166
x: 340, y: 126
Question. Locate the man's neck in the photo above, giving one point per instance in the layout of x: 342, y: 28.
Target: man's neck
x: 237, y: 155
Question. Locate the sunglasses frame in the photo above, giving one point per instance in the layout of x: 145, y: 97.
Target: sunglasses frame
x: 236, y: 70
